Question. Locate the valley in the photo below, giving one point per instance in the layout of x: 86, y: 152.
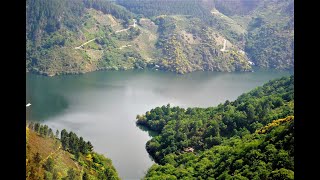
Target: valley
x: 167, y: 89
x: 102, y: 106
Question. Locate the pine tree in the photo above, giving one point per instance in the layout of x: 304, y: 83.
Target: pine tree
x: 85, y: 176
x: 37, y: 127
x: 49, y: 165
x: 72, y: 175
x: 31, y: 125
x: 57, y: 134
x: 37, y: 158
x: 50, y: 133
x: 89, y: 146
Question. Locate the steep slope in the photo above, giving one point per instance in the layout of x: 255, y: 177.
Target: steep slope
x: 50, y: 158
x: 262, y: 29
x: 186, y: 136
x: 57, y: 29
x: 270, y: 41
x: 78, y: 36
x: 188, y: 45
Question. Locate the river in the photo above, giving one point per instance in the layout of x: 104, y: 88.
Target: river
x: 102, y: 106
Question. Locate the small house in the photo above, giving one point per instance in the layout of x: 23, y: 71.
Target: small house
x: 188, y: 149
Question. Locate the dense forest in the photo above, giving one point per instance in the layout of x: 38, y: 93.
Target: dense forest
x: 54, y: 155
x: 78, y: 36
x: 151, y: 8
x: 237, y: 7
x: 249, y: 138
x: 253, y: 156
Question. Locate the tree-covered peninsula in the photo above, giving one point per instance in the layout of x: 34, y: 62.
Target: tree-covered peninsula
x: 249, y: 138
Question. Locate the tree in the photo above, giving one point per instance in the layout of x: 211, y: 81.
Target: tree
x: 77, y: 155
x: 48, y: 175
x: 57, y: 134
x: 55, y: 175
x: 41, y: 130
x: 85, y: 176
x: 37, y: 127
x: 64, y: 134
x: 50, y: 133
x: 89, y: 146
x: 49, y: 164
x: 83, y: 147
x: 31, y: 125
x: 71, y: 174
x: 250, y: 111
x: 37, y: 158
x: 282, y: 174
x: 45, y: 131
x: 64, y: 139
x: 65, y: 143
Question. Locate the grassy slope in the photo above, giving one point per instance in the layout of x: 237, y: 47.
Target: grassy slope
x: 93, y: 56
x: 46, y: 147
x: 189, y: 45
x: 93, y: 164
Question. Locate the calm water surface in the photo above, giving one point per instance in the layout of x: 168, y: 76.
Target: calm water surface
x: 102, y: 106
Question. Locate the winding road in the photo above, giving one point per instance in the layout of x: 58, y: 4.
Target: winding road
x: 133, y: 25
x: 79, y: 47
x: 52, y: 153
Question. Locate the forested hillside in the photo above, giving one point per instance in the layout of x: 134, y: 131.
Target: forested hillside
x: 251, y: 137
x: 51, y: 155
x: 188, y: 45
x: 78, y: 36
x: 270, y: 39
x: 150, y: 8
x: 253, y: 156
x: 263, y: 28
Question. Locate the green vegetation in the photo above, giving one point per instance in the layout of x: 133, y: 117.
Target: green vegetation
x: 188, y: 45
x: 68, y: 37
x: 270, y: 42
x: 56, y: 28
x: 236, y: 7
x: 253, y: 156
x: 243, y: 139
x: 151, y: 8
x: 69, y: 157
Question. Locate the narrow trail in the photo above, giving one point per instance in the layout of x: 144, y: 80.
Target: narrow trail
x: 128, y: 45
x: 122, y: 30
x: 133, y: 25
x: 51, y: 154
x: 79, y: 47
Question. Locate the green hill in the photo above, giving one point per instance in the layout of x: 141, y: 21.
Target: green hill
x: 68, y: 157
x: 78, y: 36
x: 270, y: 40
x: 244, y: 139
x: 188, y: 44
